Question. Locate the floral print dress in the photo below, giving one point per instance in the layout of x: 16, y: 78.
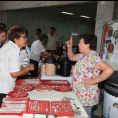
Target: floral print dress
x: 84, y: 69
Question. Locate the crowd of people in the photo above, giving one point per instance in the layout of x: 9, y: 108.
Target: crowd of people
x: 18, y: 62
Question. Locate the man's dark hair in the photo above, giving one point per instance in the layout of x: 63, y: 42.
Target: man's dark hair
x: 53, y: 28
x: 3, y: 25
x: 43, y: 37
x: 39, y: 30
x: 91, y: 39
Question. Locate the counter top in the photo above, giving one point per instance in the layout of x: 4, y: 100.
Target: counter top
x: 56, y: 77
x: 54, y: 96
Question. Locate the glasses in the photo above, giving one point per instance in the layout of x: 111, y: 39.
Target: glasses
x: 24, y: 37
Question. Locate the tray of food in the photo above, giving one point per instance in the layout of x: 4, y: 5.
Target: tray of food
x: 28, y: 81
x: 41, y: 87
x: 38, y: 106
x: 62, y: 108
x: 55, y: 82
x: 62, y: 88
x: 18, y: 94
x: 24, y: 87
x: 14, y: 106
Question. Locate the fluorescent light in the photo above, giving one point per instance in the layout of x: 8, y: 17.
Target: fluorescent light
x: 84, y: 16
x: 102, y: 2
x: 74, y: 33
x: 67, y: 13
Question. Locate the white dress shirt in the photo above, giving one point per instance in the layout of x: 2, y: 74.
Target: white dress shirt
x: 51, y: 44
x: 36, y: 49
x: 9, y: 62
x: 25, y: 57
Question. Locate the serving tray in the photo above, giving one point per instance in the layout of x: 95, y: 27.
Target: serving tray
x: 55, y: 82
x: 18, y: 94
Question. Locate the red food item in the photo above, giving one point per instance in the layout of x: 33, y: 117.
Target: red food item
x: 62, y: 108
x: 41, y: 87
x: 18, y: 94
x: 25, y: 87
x: 28, y: 81
x: 55, y: 82
x: 63, y: 88
x: 38, y: 106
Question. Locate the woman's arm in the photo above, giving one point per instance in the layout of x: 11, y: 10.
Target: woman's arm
x: 22, y: 71
x: 107, y: 72
x: 71, y: 55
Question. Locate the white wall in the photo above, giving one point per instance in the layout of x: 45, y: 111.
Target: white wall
x: 103, y: 15
x: 31, y: 21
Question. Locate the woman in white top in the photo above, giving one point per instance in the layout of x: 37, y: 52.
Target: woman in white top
x: 24, y: 58
x: 10, y: 62
x: 36, y: 49
x: 24, y: 61
x: 3, y: 33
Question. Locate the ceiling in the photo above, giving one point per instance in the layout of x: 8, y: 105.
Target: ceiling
x: 86, y: 9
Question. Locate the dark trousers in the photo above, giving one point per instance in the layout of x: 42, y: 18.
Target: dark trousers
x: 23, y: 77
x: 2, y: 95
x: 34, y: 73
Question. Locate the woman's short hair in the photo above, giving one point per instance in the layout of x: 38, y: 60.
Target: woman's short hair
x: 43, y: 37
x: 91, y: 39
x: 3, y: 25
x: 2, y: 29
x: 15, y: 32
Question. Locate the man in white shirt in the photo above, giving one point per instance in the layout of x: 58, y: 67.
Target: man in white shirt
x: 10, y: 62
x: 38, y: 32
x: 36, y: 49
x: 53, y: 42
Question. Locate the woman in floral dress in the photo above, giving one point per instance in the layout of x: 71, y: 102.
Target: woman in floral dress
x: 86, y: 75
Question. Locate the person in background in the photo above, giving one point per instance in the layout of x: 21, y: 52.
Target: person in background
x: 38, y: 32
x: 36, y: 49
x: 24, y: 58
x: 3, y: 25
x: 9, y: 60
x: 3, y: 33
x: 86, y: 75
x: 53, y: 42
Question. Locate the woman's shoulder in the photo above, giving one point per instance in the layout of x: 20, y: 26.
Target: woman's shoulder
x: 94, y: 57
x: 94, y: 53
x: 80, y: 55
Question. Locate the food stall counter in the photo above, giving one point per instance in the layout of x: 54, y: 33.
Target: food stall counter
x: 55, y: 96
x: 56, y: 77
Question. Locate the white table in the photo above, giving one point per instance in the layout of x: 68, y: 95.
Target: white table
x: 58, y: 96
x: 54, y: 96
x: 56, y: 77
